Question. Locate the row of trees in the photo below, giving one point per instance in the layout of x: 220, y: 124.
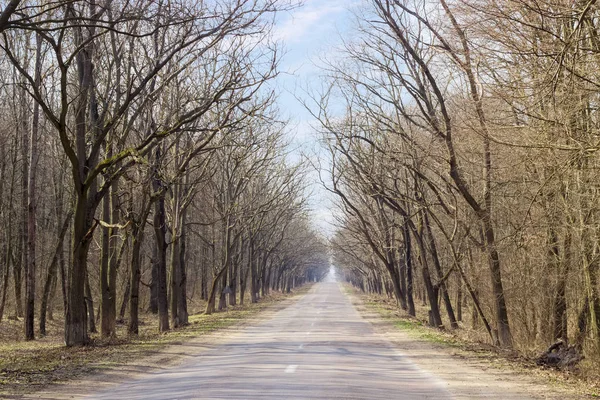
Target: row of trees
x: 145, y: 134
x: 466, y: 163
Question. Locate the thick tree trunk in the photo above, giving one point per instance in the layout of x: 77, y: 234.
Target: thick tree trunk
x: 560, y: 298
x: 432, y: 292
x: 504, y: 335
x: 76, y: 318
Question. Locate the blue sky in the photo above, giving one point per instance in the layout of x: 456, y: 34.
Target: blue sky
x: 308, y: 32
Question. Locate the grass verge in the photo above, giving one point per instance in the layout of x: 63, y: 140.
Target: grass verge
x: 463, y: 343
x: 26, y: 367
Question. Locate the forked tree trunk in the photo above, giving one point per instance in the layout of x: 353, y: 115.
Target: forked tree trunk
x: 440, y: 274
x: 435, y: 319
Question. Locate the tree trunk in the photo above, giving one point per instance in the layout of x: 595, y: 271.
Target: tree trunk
x: 560, y: 298
x: 432, y: 291
x: 136, y: 267
x: 126, y: 297
x: 440, y: 274
x: 253, y: 277
x: 160, y: 231
x: 154, y: 283
x: 210, y: 306
x: 76, y: 318
x: 32, y: 205
x: 63, y: 282
x: 5, y: 279
x: 107, y: 328
x: 409, y: 269
x: 182, y: 309
x: 52, y: 273
x: 161, y: 265
x: 174, y: 278
x: 233, y: 276
x: 90, y: 305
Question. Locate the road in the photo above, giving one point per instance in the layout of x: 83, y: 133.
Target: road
x: 318, y: 348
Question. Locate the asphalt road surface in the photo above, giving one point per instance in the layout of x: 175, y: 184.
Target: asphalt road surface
x: 318, y: 348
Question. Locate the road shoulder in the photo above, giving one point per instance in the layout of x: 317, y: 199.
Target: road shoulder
x: 467, y: 375
x: 143, y: 362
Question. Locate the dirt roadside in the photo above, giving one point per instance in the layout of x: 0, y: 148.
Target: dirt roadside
x: 94, y: 378
x: 466, y: 374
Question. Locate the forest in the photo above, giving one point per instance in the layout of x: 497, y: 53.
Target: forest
x: 144, y: 165
x: 464, y: 165
x: 147, y: 168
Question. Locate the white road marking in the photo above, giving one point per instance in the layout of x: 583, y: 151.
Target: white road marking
x: 290, y: 369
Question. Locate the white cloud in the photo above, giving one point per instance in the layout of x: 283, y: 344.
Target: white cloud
x: 311, y: 18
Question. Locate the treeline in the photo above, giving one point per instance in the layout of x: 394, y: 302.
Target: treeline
x: 465, y: 164
x: 143, y: 164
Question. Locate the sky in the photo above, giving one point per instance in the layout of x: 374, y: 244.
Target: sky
x: 307, y: 33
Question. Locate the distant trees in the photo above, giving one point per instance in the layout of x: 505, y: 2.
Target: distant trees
x: 468, y: 140
x: 154, y: 109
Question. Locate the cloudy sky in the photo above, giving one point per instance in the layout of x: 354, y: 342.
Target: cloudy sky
x: 307, y: 33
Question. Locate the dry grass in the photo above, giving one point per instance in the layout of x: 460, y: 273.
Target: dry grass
x: 28, y: 366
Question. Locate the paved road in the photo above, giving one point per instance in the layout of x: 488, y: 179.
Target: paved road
x: 318, y: 348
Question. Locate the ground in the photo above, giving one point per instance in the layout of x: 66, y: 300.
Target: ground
x: 28, y: 367
x: 323, y: 339
x: 471, y: 369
